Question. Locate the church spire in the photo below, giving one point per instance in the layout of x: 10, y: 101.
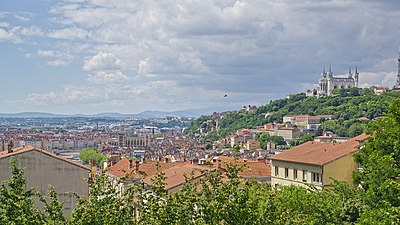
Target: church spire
x: 330, y: 71
x: 356, y: 78
x: 349, y: 75
x: 323, y: 74
x: 398, y: 70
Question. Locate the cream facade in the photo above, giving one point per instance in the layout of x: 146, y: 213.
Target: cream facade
x: 320, y: 176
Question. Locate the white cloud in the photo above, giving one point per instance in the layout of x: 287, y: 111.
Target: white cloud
x: 56, y: 58
x: 190, y: 52
x: 8, y: 36
x: 4, y: 24
x: 102, y: 61
x: 22, y: 18
x: 144, y: 67
x: 71, y: 33
x: 106, y: 78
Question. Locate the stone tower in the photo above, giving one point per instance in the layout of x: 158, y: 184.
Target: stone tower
x: 397, y: 85
x: 356, y: 78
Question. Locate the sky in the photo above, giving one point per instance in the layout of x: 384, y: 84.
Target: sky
x: 128, y: 56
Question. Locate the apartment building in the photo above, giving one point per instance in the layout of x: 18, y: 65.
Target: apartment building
x: 316, y: 163
x: 43, y: 168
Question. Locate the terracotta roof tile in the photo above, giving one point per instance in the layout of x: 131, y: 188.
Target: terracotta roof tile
x: 320, y: 153
x: 175, y: 175
x: 121, y: 168
x: 256, y: 169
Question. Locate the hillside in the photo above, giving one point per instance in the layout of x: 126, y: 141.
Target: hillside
x: 349, y: 106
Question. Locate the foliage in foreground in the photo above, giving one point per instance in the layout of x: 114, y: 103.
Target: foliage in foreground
x: 218, y: 198
x: 223, y: 198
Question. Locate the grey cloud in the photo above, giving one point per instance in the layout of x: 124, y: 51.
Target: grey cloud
x: 189, y: 52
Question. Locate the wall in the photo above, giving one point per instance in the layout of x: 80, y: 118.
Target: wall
x: 42, y: 170
x: 340, y: 169
x: 281, y: 180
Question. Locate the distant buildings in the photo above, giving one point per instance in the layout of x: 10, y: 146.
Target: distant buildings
x: 315, y: 163
x: 306, y: 122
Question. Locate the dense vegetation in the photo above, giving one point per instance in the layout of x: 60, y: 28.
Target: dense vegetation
x: 223, y: 198
x: 349, y: 106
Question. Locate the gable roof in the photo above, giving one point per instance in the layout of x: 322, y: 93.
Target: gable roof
x: 175, y: 175
x: 320, y: 153
x: 28, y: 148
x: 255, y: 169
x: 121, y: 168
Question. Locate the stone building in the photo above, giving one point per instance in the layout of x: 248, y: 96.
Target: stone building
x: 328, y: 82
x: 396, y: 87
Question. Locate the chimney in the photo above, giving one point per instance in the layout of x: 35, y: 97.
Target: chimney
x: 130, y: 164
x: 93, y: 171
x: 218, y: 164
x: 137, y: 164
x: 10, y: 147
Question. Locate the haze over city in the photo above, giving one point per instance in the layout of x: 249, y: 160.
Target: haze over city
x: 78, y: 56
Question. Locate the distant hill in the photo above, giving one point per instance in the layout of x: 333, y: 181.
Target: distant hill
x: 351, y: 108
x: 145, y: 114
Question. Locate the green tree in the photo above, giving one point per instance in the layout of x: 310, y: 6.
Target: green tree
x: 16, y: 201
x: 88, y: 154
x: 105, y: 204
x: 53, y: 208
x: 379, y: 176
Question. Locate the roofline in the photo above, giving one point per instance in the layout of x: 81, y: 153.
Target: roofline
x: 45, y: 152
x: 323, y: 164
x: 314, y: 164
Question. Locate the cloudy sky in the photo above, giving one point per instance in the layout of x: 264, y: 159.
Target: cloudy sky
x: 90, y: 56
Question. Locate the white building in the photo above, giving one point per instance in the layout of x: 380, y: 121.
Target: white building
x: 328, y: 83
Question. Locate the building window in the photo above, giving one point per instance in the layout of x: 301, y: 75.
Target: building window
x: 286, y: 172
x: 316, y: 178
x: 342, y: 87
x: 304, y: 175
x: 295, y: 174
x: 334, y: 87
x: 276, y: 171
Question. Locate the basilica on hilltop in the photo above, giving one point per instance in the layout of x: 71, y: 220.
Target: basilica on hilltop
x: 328, y: 82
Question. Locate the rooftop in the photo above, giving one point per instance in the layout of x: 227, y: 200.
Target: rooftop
x: 317, y: 153
x: 27, y: 148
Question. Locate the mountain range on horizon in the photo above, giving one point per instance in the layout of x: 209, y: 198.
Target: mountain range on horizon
x: 144, y: 114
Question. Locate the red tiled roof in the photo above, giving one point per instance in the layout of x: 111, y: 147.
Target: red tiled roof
x: 175, y: 175
x: 252, y: 169
x: 28, y: 148
x: 320, y: 153
x: 121, y: 168
x: 256, y: 169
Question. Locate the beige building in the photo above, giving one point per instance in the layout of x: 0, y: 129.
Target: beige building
x: 253, y: 145
x: 288, y: 133
x: 316, y: 163
x: 43, y: 168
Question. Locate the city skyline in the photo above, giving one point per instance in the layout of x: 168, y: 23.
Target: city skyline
x: 78, y: 56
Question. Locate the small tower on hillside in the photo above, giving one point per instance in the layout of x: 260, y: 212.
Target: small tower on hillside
x: 356, y: 78
x: 397, y: 85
